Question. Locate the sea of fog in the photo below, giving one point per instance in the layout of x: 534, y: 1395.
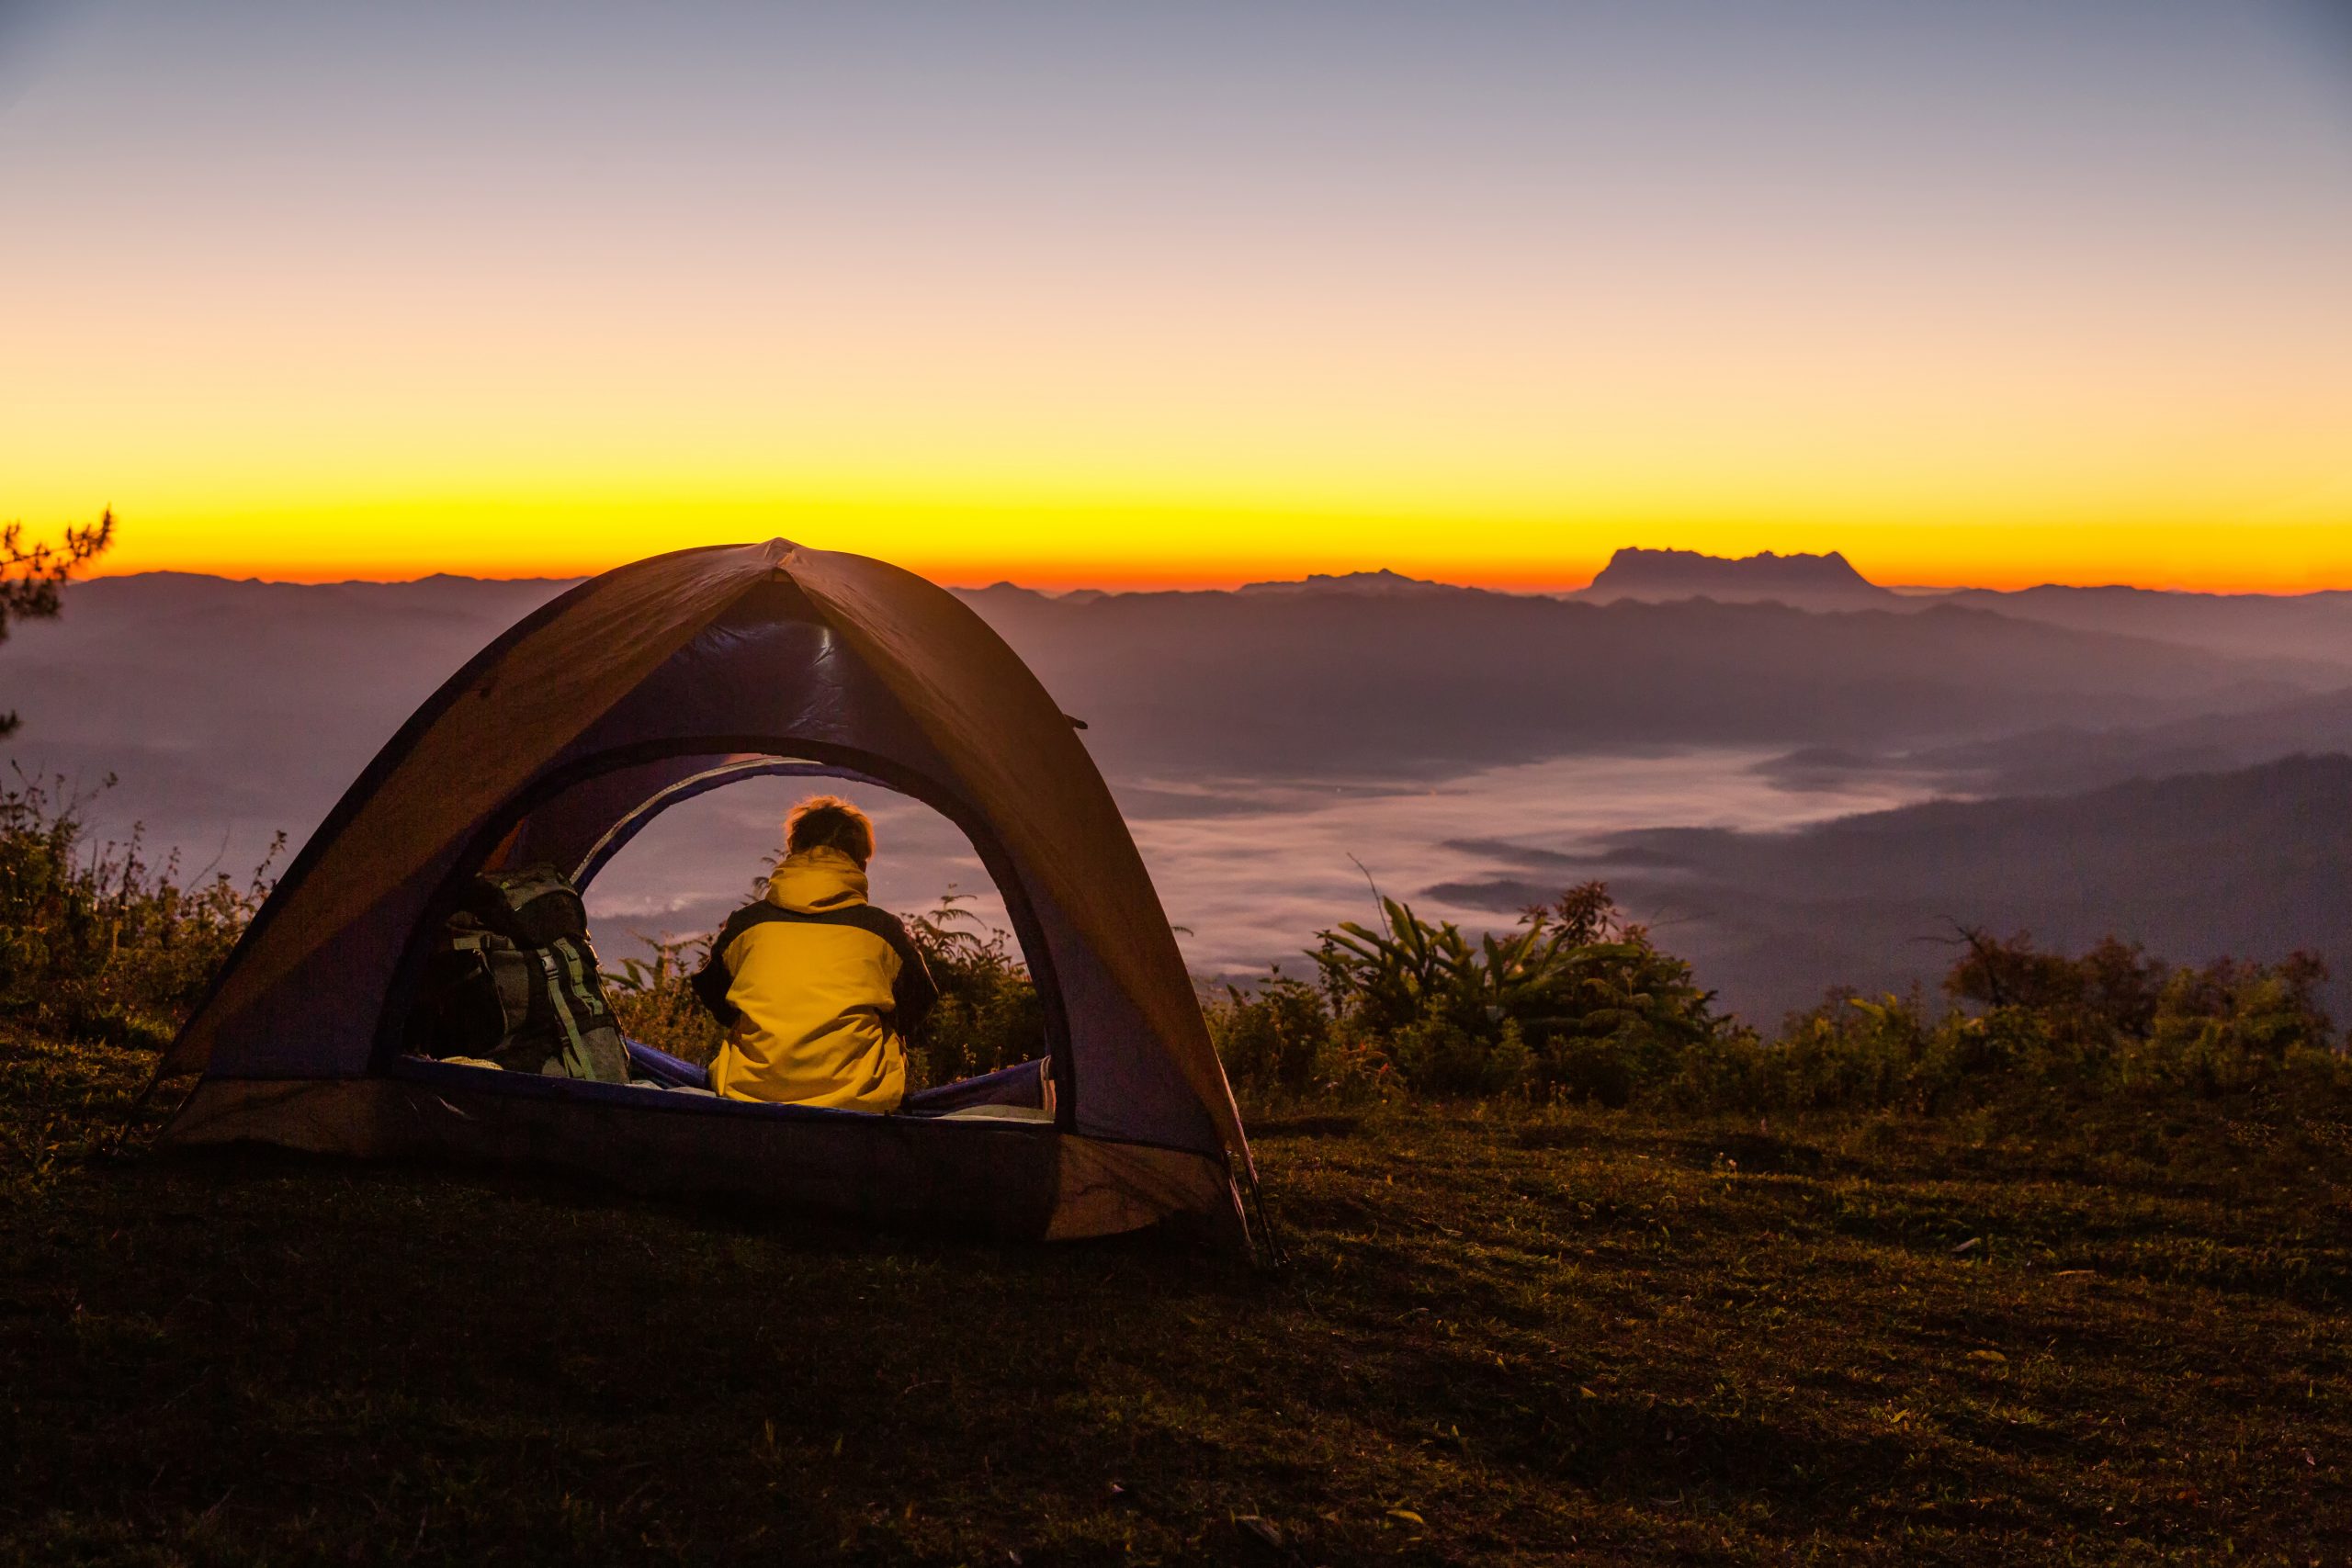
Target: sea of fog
x: 1248, y: 870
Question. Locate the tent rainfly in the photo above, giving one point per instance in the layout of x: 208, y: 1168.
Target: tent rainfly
x: 645, y: 687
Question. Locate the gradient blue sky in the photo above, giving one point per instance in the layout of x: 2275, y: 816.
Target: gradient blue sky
x: 1981, y: 291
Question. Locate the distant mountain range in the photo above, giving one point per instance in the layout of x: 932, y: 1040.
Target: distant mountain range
x: 209, y: 696
x: 2066, y: 759
x: 2315, y: 627
x: 2244, y: 626
x: 2254, y: 862
x: 229, y: 710
x: 1339, y: 679
x: 1381, y: 582
x: 1807, y: 583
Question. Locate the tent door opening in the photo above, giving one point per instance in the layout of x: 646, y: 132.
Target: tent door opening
x: 579, y: 819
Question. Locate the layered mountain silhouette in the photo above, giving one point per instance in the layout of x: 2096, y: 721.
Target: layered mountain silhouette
x: 1339, y: 682
x: 2254, y: 626
x: 2316, y: 626
x: 200, y: 691
x: 2061, y: 759
x: 2252, y: 862
x: 1811, y: 582
x: 1381, y: 582
x: 229, y: 710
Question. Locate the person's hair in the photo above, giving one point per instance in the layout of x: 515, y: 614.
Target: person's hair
x: 827, y: 822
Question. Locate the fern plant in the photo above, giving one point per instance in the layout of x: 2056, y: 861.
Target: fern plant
x: 1574, y: 999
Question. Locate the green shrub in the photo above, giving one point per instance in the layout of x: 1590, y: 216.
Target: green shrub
x: 990, y: 1014
x: 1575, y: 1003
x: 95, y: 942
x: 654, y: 1004
x: 1435, y: 1055
x: 2231, y: 1027
x: 1275, y: 1040
x: 1851, y: 1052
x: 2030, y: 1028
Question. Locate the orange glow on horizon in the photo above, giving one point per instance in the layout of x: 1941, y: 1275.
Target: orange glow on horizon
x: 2276, y: 559
x: 1106, y: 309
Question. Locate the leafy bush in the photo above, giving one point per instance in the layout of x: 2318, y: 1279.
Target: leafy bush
x: 1276, y: 1041
x: 990, y: 1014
x: 1577, y: 1004
x: 654, y: 1005
x: 2231, y: 1026
x: 2117, y: 1019
x: 1574, y: 1003
x: 95, y: 942
x: 1850, y: 1051
x: 2029, y: 1026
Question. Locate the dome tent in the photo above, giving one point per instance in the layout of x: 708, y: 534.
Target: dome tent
x: 639, y: 688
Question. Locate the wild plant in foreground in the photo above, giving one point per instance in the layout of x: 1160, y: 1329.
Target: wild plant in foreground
x: 95, y: 942
x: 654, y: 1005
x: 989, y: 1014
x: 1575, y: 1001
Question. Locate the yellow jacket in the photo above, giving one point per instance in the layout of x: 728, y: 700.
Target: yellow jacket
x: 816, y: 988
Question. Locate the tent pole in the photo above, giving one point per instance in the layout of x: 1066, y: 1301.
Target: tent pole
x: 1271, y: 1256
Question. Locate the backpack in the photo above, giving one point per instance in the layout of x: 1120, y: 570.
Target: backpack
x: 514, y: 981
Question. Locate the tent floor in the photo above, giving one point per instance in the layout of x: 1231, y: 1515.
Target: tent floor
x: 1011, y: 1177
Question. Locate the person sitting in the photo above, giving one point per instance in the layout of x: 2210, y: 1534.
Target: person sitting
x: 817, y: 989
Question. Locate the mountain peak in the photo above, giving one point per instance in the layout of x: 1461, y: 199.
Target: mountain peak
x: 1381, y: 582
x: 1809, y: 582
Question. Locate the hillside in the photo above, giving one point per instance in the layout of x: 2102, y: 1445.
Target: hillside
x: 2068, y: 759
x: 229, y: 710
x: 1503, y: 1337
x: 2311, y: 626
x: 2200, y: 866
x: 1351, y: 683
x: 2255, y: 626
x: 172, y: 675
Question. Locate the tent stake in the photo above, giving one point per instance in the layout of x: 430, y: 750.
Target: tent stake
x: 1275, y: 1257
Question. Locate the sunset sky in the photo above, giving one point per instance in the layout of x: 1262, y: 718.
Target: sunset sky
x: 1122, y: 294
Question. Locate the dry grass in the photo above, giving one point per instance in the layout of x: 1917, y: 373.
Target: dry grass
x: 1505, y: 1336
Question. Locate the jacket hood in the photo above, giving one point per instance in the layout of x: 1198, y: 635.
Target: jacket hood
x: 811, y: 881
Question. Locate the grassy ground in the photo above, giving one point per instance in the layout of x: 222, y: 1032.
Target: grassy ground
x: 1503, y: 1337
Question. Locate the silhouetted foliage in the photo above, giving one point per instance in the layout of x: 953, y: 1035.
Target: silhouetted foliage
x: 1575, y: 1003
x: 990, y: 1014
x: 653, y: 1004
x: 2030, y: 1025
x: 95, y: 942
x: 30, y: 575
x: 1278, y: 1039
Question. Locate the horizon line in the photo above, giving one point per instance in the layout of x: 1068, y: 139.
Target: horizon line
x: 1187, y: 583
